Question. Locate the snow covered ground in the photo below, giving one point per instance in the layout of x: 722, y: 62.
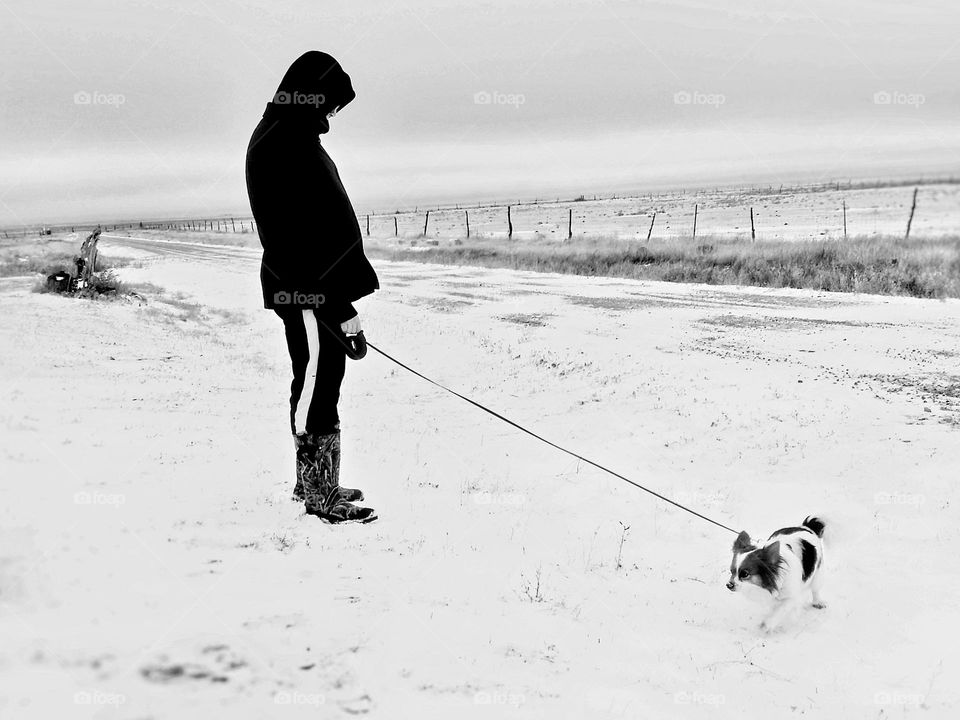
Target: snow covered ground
x: 152, y: 566
x: 794, y: 214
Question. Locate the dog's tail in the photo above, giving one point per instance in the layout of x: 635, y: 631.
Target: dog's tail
x: 816, y: 524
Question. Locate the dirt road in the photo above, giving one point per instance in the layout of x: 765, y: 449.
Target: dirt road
x: 147, y: 464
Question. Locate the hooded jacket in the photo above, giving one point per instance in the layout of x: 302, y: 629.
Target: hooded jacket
x: 312, y: 246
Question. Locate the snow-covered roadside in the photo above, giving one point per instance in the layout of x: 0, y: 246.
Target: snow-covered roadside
x: 151, y: 565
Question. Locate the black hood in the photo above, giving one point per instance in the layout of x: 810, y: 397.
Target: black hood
x: 311, y: 88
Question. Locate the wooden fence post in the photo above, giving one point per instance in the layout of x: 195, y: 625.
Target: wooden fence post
x: 913, y: 208
x: 695, y: 209
x: 425, y: 221
x: 844, y: 219
x: 753, y: 230
x: 509, y: 224
x: 396, y: 227
x: 652, y: 221
x: 466, y: 216
x: 368, y: 224
x: 232, y: 225
x: 570, y: 224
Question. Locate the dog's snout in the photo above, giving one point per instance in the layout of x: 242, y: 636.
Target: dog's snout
x: 730, y: 585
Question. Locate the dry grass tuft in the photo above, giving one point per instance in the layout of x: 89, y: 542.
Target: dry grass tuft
x: 885, y: 266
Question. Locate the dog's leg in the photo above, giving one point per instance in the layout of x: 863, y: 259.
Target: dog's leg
x: 780, y: 610
x: 815, y: 585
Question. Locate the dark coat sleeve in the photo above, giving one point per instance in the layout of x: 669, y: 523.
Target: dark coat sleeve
x: 312, y: 245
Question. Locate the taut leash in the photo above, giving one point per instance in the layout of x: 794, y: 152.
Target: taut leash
x: 366, y: 343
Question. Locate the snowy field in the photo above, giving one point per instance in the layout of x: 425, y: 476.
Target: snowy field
x: 793, y: 213
x: 152, y: 566
x: 723, y: 213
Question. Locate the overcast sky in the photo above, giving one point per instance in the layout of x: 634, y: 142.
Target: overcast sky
x: 143, y: 108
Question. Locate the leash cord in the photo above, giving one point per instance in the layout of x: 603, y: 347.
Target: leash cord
x: 548, y: 442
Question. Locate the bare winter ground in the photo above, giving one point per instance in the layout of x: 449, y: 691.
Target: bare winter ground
x: 151, y: 564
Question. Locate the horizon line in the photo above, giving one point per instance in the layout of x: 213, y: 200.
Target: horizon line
x: 824, y: 185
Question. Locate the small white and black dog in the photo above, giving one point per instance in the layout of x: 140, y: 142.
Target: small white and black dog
x: 787, y: 566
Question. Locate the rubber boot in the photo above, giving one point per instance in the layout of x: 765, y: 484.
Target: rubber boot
x: 348, y: 494
x: 318, y: 469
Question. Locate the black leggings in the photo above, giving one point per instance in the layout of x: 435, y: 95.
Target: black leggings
x: 318, y: 358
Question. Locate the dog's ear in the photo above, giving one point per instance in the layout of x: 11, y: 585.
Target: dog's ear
x: 771, y: 554
x: 743, y: 542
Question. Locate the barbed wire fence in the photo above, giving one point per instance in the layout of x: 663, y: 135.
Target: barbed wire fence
x: 827, y: 211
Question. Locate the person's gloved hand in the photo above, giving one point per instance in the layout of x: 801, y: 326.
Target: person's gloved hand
x: 351, y: 326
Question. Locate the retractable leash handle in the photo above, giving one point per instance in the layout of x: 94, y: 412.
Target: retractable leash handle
x: 355, y: 345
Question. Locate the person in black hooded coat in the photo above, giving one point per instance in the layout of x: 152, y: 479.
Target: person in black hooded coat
x: 313, y: 267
